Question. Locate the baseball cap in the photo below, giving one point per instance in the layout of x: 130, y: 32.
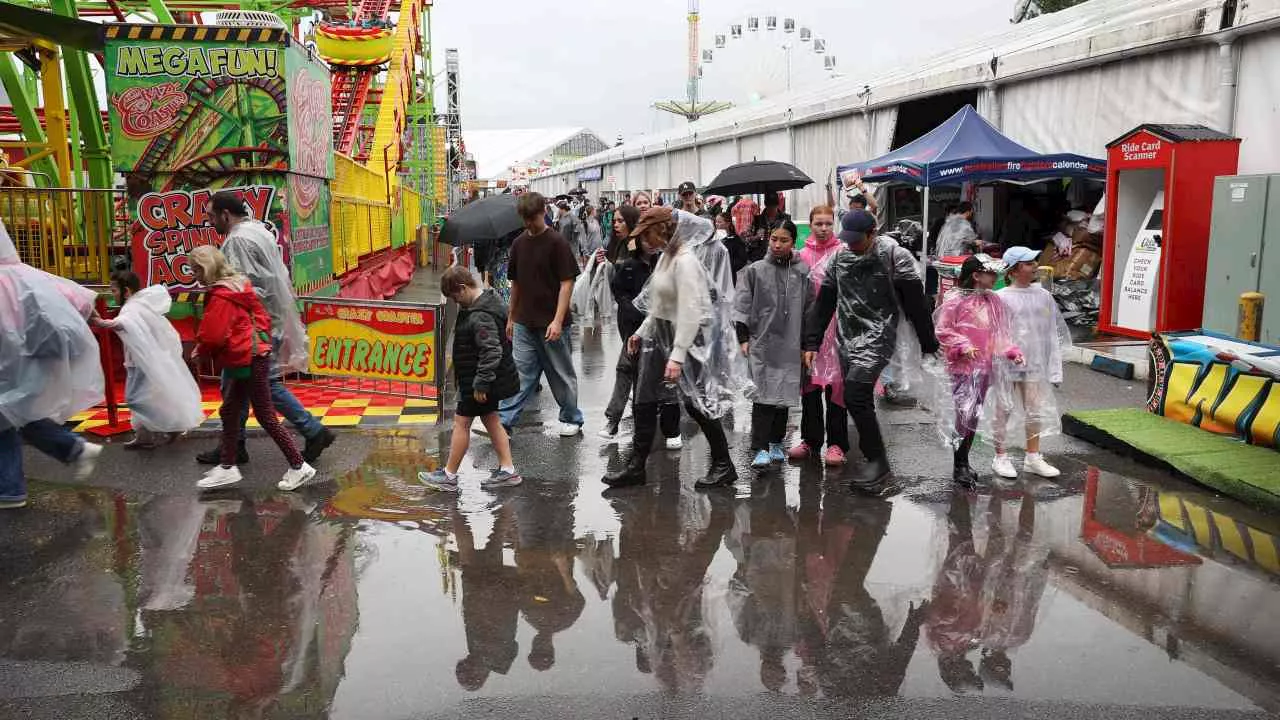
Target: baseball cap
x: 652, y: 216
x: 686, y: 187
x: 1019, y: 253
x: 856, y: 223
x: 981, y: 262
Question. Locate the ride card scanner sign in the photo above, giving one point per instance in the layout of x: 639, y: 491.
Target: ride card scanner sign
x: 196, y: 109
x: 1141, y: 277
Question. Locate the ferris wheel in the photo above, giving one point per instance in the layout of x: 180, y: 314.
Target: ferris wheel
x: 763, y: 55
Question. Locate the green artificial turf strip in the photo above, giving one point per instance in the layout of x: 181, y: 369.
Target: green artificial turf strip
x: 1245, y: 472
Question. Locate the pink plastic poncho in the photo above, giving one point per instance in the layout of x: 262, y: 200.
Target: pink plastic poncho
x: 973, y: 322
x: 49, y: 365
x: 827, y: 370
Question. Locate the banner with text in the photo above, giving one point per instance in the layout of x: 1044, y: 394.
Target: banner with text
x: 375, y: 340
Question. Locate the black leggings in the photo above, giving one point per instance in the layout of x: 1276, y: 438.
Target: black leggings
x: 813, y: 413
x: 860, y: 401
x: 646, y: 419
x: 623, y: 383
x: 768, y: 425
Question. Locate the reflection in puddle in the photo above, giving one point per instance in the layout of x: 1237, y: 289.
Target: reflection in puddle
x: 302, y: 605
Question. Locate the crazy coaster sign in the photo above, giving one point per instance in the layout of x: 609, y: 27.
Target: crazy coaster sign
x: 174, y: 223
x: 372, y: 339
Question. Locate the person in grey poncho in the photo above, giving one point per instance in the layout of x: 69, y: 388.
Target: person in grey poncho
x: 768, y: 314
x: 870, y: 281
x: 251, y: 248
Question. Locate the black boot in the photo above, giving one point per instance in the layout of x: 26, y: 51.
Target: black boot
x: 721, y: 474
x: 632, y: 474
x: 962, y: 472
x: 317, y: 444
x: 214, y: 456
x: 871, y: 476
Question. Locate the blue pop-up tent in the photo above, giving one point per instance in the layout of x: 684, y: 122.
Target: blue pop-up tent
x: 966, y: 148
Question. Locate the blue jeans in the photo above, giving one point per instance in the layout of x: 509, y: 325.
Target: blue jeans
x: 534, y: 355
x: 46, y: 436
x: 286, y: 404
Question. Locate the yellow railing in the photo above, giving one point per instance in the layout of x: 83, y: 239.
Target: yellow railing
x: 71, y: 232
x: 360, y: 215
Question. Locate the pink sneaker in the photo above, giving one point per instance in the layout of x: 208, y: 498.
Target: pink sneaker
x: 834, y: 456
x: 799, y: 452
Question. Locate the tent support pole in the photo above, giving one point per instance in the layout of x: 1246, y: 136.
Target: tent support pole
x: 924, y: 242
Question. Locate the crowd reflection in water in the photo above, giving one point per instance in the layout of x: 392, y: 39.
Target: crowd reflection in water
x: 798, y: 594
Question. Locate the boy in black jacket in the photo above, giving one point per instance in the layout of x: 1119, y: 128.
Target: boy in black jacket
x: 486, y: 374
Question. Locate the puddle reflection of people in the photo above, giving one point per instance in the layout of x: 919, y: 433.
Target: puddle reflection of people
x: 545, y: 553
x: 663, y: 556
x: 762, y: 592
x: 987, y: 600
x: 845, y: 647
x: 491, y: 600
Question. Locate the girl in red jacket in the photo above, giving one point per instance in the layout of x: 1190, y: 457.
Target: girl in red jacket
x: 235, y: 334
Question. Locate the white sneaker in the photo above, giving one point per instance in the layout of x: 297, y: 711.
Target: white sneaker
x: 219, y: 477
x: 1003, y: 467
x: 570, y: 430
x: 675, y: 443
x: 608, y: 433
x: 87, y: 461
x: 1036, y: 464
x: 294, y: 479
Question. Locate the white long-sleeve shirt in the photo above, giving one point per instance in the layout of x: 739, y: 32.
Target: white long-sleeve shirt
x: 677, y: 294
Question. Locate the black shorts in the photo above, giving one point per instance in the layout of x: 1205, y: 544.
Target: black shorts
x: 468, y: 407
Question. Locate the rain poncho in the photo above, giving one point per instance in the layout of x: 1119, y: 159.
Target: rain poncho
x: 771, y: 303
x: 161, y: 393
x: 826, y: 370
x: 726, y: 364
x: 957, y: 237
x: 973, y: 329
x: 49, y: 365
x: 592, y: 299
x: 866, y: 293
x: 1040, y: 332
x: 685, y: 325
x: 251, y: 248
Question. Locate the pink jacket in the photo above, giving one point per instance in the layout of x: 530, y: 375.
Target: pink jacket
x: 974, y: 320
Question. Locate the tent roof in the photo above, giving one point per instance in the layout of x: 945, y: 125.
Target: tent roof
x: 1177, y: 133
x: 967, y: 148
x: 497, y: 150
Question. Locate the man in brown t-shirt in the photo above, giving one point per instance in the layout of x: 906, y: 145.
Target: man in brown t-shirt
x: 542, y: 268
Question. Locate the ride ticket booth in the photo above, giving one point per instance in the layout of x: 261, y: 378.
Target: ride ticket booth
x: 1160, y: 181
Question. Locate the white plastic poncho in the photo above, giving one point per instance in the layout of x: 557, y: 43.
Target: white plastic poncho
x: 49, y: 365
x: 1041, y: 334
x: 728, y: 367
x: 252, y: 249
x: 957, y: 237
x: 592, y: 299
x: 161, y: 393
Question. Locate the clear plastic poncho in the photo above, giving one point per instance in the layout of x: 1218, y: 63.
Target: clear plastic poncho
x: 160, y: 390
x: 957, y: 237
x: 592, y: 299
x: 1041, y: 334
x: 973, y: 329
x: 252, y: 249
x: 826, y: 370
x: 49, y: 364
x: 714, y: 371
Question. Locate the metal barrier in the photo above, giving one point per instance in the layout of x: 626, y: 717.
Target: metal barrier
x: 71, y: 232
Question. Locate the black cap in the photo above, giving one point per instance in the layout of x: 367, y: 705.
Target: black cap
x: 686, y: 187
x: 856, y: 224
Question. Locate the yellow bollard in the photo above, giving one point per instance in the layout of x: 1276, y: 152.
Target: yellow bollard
x: 1045, y: 272
x: 1249, y: 321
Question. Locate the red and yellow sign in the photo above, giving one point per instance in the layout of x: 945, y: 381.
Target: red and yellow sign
x: 380, y: 341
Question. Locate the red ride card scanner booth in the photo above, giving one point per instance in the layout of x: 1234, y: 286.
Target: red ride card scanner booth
x: 1156, y: 246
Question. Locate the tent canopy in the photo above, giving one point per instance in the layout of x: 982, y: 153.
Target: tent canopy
x: 966, y: 148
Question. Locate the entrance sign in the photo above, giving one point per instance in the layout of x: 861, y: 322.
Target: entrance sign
x: 376, y: 340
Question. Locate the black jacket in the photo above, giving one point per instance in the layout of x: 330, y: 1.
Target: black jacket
x: 482, y: 357
x: 629, y: 276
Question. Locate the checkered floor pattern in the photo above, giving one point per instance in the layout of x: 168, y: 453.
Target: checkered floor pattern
x: 334, y: 407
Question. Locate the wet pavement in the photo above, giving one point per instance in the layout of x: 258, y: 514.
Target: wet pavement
x: 1113, y: 591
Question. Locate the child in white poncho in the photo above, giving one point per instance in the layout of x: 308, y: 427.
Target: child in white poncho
x: 1040, y: 332
x: 163, y: 398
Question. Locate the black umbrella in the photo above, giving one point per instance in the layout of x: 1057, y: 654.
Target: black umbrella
x: 484, y: 221
x: 758, y: 177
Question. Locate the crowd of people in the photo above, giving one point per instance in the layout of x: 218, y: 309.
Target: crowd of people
x: 250, y: 332
x: 715, y: 303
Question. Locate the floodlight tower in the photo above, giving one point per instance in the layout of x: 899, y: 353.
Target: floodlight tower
x: 693, y: 108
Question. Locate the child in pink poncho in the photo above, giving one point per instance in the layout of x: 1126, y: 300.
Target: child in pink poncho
x: 973, y: 327
x: 824, y: 386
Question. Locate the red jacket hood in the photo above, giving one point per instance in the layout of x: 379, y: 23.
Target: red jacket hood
x: 237, y: 290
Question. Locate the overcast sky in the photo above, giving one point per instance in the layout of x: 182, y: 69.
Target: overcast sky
x: 603, y: 63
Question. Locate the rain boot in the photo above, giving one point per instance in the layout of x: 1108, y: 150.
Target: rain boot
x: 871, y: 475
x: 962, y: 473
x: 646, y: 425
x: 721, y: 474
x: 632, y: 474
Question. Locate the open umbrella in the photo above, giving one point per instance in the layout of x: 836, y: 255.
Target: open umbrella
x: 484, y: 221
x: 758, y: 177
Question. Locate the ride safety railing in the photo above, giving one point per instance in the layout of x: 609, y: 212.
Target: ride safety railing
x: 71, y: 232
x: 369, y: 213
